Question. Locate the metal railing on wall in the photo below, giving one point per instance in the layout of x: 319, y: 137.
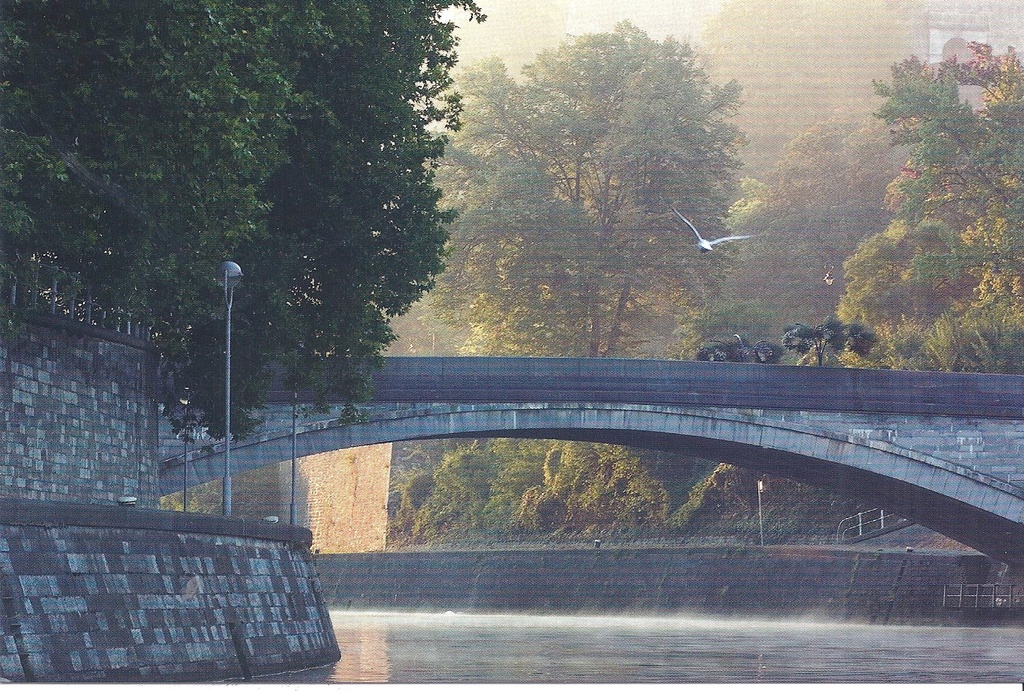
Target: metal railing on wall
x: 47, y: 289
x: 869, y: 524
x: 982, y: 596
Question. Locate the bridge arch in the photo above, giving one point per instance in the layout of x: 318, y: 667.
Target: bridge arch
x: 970, y: 507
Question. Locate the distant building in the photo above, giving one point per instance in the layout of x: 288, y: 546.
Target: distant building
x: 941, y: 29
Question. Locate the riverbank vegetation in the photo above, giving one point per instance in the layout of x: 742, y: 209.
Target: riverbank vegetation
x: 902, y: 229
x: 537, y: 491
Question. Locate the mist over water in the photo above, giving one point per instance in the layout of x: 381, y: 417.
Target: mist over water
x: 514, y: 648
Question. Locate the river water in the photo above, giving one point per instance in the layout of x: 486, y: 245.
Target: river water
x: 461, y: 648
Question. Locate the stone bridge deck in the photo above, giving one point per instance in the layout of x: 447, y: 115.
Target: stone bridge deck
x: 942, y: 449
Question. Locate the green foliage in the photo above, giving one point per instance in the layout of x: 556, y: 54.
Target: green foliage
x: 461, y: 486
x: 978, y: 339
x: 564, y: 244
x: 831, y: 335
x: 725, y: 504
x: 904, y: 274
x: 523, y: 467
x: 814, y: 207
x: 713, y: 321
x: 604, y: 486
x: 951, y: 265
x: 508, y: 487
x: 413, y: 491
x: 724, y: 486
x: 146, y: 142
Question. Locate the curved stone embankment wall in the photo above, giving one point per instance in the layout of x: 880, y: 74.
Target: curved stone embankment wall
x: 880, y: 587
x: 78, y: 414
x: 108, y: 593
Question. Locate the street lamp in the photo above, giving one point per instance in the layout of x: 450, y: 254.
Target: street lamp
x: 760, y: 517
x: 229, y: 276
x: 186, y: 432
x: 295, y: 415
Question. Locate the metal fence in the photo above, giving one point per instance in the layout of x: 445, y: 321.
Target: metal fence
x: 867, y: 523
x: 48, y: 289
x: 982, y: 596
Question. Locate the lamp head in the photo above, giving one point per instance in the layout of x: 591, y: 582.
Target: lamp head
x: 230, y: 274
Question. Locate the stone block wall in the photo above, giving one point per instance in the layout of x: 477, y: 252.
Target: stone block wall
x: 78, y: 416
x: 892, y: 587
x: 345, y: 498
x: 106, y: 593
x: 341, y: 495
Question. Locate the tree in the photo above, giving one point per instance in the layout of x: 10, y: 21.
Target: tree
x: 954, y: 256
x: 460, y: 491
x: 143, y: 144
x: 602, y: 485
x: 808, y: 215
x: 521, y: 468
x: 832, y: 335
x: 564, y: 244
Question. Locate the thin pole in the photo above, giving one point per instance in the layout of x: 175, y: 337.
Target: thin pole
x: 229, y: 294
x: 760, y: 517
x: 295, y: 402
x: 184, y: 470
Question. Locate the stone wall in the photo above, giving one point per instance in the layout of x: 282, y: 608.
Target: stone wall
x: 934, y: 23
x: 341, y: 495
x: 108, y: 593
x: 78, y: 417
x: 848, y: 585
x: 345, y: 498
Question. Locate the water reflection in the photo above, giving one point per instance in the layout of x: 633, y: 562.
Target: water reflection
x: 365, y: 652
x: 451, y: 647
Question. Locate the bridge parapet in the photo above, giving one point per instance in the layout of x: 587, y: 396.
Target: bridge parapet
x: 939, y: 448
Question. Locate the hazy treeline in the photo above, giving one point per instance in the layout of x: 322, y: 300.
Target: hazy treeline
x: 881, y: 198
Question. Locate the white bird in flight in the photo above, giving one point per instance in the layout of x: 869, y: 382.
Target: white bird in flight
x: 708, y: 245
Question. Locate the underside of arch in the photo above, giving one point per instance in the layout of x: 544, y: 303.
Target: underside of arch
x: 970, y: 525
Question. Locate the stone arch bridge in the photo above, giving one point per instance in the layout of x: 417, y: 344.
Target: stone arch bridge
x: 942, y: 449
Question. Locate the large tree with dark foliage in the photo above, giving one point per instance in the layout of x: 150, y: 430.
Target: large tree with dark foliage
x: 146, y: 142
x: 565, y: 244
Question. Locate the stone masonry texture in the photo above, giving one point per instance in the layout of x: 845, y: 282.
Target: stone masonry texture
x: 137, y: 595
x: 93, y: 591
x: 346, y: 498
x: 78, y: 417
x: 341, y: 495
x: 884, y: 587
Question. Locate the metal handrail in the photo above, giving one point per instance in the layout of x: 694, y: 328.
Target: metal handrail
x: 44, y: 288
x: 982, y: 596
x: 866, y: 522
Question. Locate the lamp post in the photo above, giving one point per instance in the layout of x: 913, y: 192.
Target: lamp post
x: 229, y: 276
x: 295, y: 415
x: 760, y: 518
x: 186, y: 432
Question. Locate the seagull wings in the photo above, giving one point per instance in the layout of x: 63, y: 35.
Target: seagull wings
x: 708, y: 244
x: 727, y: 239
x: 687, y: 222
